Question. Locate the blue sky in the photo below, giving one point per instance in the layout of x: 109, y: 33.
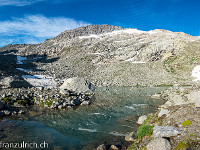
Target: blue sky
x: 33, y: 21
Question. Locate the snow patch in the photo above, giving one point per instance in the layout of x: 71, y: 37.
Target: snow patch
x: 196, y: 73
x: 126, y: 31
x: 130, y: 59
x: 138, y: 62
x: 40, y: 81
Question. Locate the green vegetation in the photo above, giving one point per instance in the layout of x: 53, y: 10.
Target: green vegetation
x: 168, y: 64
x: 144, y: 130
x: 181, y: 146
x: 186, y: 123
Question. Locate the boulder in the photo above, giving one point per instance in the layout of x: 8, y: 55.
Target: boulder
x: 177, y: 99
x: 159, y: 144
x: 163, y: 112
x: 165, y: 131
x: 101, y: 147
x: 130, y: 137
x: 113, y: 147
x: 85, y: 103
x: 7, y: 112
x: 194, y: 97
x: 77, y: 85
x: 75, y: 101
x: 6, y: 82
x: 141, y: 119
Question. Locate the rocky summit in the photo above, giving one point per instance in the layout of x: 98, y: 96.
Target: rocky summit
x: 111, y: 56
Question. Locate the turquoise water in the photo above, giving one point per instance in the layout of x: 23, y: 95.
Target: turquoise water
x: 111, y: 116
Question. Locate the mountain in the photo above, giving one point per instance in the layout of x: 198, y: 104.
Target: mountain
x: 111, y: 56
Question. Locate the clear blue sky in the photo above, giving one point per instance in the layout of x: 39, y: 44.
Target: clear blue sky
x: 32, y: 21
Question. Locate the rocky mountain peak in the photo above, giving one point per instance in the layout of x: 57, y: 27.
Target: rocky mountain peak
x: 87, y: 30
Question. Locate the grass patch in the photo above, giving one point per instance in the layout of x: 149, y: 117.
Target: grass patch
x: 144, y: 130
x: 181, y: 145
x: 186, y: 123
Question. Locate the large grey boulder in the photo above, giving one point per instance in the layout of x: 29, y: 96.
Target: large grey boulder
x: 77, y: 85
x: 159, y: 144
x: 165, y: 131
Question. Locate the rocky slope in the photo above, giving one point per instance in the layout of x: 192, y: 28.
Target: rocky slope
x: 112, y: 56
x: 176, y: 123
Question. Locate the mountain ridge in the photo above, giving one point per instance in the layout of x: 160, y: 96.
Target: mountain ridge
x: 113, y: 56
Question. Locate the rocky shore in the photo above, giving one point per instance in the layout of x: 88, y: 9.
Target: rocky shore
x: 12, y: 100
x: 174, y: 126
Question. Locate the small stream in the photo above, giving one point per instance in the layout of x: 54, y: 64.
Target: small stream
x: 111, y: 116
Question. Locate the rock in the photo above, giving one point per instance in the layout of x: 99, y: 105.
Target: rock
x: 77, y: 85
x: 60, y: 107
x: 6, y: 82
x: 165, y: 131
x: 176, y: 99
x: 21, y: 112
x: 85, y: 103
x: 65, y: 92
x: 167, y: 104
x: 101, y: 147
x: 7, y: 112
x: 1, y: 105
x: 130, y: 137
x: 75, y: 101
x: 163, y: 112
x: 113, y: 147
x: 159, y: 144
x: 194, y: 97
x: 141, y: 119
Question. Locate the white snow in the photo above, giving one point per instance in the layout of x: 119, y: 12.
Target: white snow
x: 130, y: 59
x: 138, y: 62
x: 133, y: 31
x: 196, y: 73
x: 124, y: 31
x: 40, y: 81
x: 20, y: 59
x: 127, y: 31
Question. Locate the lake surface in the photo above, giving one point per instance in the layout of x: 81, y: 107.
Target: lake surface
x: 111, y: 116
